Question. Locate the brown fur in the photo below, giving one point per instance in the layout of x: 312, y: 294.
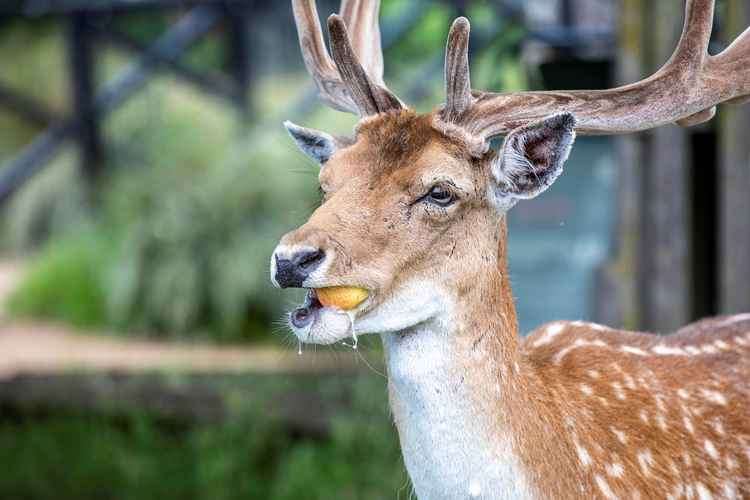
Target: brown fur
x: 591, y: 412
x: 379, y: 237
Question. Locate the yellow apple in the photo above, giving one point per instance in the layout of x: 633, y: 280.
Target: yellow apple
x: 341, y: 297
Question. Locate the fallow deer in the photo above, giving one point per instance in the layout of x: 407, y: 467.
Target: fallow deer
x: 414, y: 213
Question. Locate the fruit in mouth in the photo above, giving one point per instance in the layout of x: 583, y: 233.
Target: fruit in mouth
x: 341, y: 297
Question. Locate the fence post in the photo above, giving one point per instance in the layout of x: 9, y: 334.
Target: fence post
x: 734, y: 188
x: 237, y: 15
x: 664, y: 254
x: 615, y: 300
x: 81, y: 59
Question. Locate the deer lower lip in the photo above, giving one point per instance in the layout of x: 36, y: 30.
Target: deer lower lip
x: 306, y: 314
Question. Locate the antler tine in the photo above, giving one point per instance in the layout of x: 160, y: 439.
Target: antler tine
x: 369, y: 97
x: 316, y: 58
x: 458, y: 96
x: 346, y: 84
x: 735, y: 59
x: 692, y: 48
x: 684, y: 90
x: 361, y: 17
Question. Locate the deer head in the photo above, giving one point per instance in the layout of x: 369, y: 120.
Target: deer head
x: 414, y: 205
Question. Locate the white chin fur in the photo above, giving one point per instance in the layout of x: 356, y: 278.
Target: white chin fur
x: 330, y: 326
x: 407, y: 307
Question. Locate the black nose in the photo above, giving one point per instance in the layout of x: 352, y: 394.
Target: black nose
x: 292, y: 272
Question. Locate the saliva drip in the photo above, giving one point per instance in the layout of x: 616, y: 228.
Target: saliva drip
x: 355, y: 340
x: 299, y: 348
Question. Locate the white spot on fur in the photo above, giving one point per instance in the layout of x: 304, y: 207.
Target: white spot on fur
x: 714, y: 397
x: 550, y: 333
x: 730, y: 492
x: 593, y: 374
x: 586, y: 389
x: 633, y: 350
x: 665, y: 350
x: 683, y: 393
x: 703, y: 492
x: 578, y: 343
x: 661, y: 422
x: 621, y: 436
x: 629, y: 381
x: 709, y: 349
x: 660, y: 403
x: 604, y: 487
x: 645, y: 461
x: 583, y: 454
x: 692, y: 350
x: 688, y: 424
x: 615, y: 470
x: 718, y: 427
x: 711, y: 449
x: 619, y: 393
x: 643, y: 415
x: 740, y: 341
x: 720, y: 344
x: 731, y: 463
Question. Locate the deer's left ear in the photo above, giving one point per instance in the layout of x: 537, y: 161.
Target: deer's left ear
x: 532, y: 157
x: 316, y: 144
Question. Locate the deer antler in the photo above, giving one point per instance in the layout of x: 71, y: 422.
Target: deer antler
x: 685, y: 90
x: 353, y: 80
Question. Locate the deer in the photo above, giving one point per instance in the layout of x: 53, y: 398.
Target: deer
x: 411, y: 237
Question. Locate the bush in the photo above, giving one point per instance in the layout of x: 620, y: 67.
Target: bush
x: 182, y: 244
x: 194, y: 207
x: 66, y: 283
x: 139, y: 457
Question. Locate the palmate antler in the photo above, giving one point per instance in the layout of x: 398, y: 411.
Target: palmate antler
x: 685, y: 90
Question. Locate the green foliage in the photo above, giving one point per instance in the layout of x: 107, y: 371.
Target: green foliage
x: 66, y: 282
x: 193, y: 205
x: 42, y: 80
x: 182, y: 244
x: 139, y: 457
x: 50, y: 205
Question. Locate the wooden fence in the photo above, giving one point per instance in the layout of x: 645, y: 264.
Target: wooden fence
x: 684, y: 193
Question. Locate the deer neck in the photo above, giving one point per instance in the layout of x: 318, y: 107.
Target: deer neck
x: 452, y: 380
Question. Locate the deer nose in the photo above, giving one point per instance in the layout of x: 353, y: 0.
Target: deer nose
x: 292, y: 271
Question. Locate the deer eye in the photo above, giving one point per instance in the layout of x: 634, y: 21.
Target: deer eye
x: 441, y: 196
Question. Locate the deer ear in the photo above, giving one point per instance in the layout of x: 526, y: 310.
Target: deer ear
x: 532, y: 157
x: 316, y: 144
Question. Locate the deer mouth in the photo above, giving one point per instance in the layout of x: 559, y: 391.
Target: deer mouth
x: 317, y: 321
x: 306, y: 314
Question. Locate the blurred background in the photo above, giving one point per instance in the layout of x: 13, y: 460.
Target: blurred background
x: 145, y: 178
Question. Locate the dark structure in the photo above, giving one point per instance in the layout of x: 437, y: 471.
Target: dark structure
x: 684, y: 204
x: 85, y: 30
